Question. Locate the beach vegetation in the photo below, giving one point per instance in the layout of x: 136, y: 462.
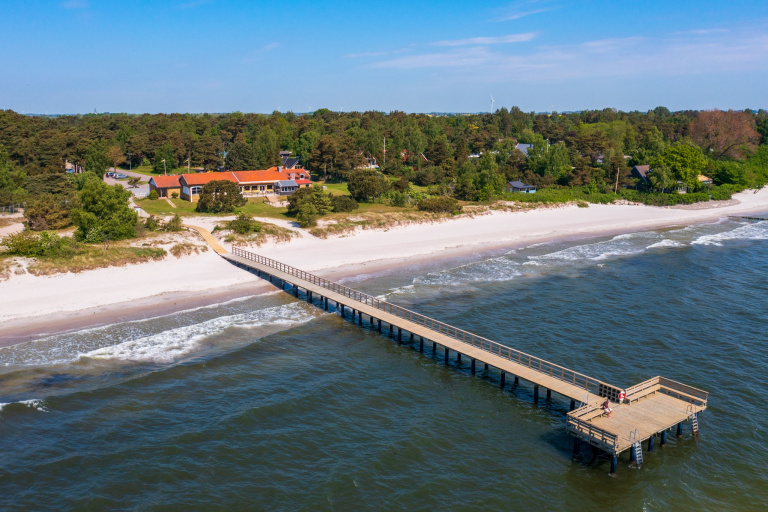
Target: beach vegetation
x: 244, y: 224
x: 103, y: 213
x: 367, y: 184
x: 441, y: 204
x: 185, y: 249
x: 220, y: 196
x: 175, y: 224
x: 344, y: 204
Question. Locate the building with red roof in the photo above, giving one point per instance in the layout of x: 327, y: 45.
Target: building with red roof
x: 251, y: 183
x: 165, y: 186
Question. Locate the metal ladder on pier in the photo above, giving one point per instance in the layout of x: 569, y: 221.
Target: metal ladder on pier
x: 637, y: 447
x: 694, y: 420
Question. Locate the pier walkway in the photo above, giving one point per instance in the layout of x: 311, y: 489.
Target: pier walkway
x: 640, y: 413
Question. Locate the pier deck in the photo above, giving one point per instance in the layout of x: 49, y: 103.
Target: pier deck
x: 639, y: 412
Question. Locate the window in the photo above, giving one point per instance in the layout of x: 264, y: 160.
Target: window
x: 196, y: 190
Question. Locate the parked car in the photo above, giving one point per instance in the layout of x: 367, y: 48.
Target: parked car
x: 110, y: 174
x: 119, y: 176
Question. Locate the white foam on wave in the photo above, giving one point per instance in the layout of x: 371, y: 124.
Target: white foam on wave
x: 173, y: 344
x: 34, y: 403
x: 757, y: 231
x: 666, y: 243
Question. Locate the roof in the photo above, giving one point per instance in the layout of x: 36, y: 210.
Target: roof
x: 207, y: 177
x: 287, y: 183
x: 290, y: 163
x: 166, y: 181
x: 704, y: 178
x: 258, y: 176
x: 524, y: 148
x: 642, y: 170
x: 520, y: 184
x: 303, y: 182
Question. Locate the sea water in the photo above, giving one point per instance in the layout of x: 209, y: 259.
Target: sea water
x: 269, y: 403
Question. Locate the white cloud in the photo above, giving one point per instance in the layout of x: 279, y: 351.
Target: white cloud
x: 523, y: 14
x: 644, y: 57
x: 475, y: 41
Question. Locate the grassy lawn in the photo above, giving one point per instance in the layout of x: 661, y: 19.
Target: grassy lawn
x: 254, y: 207
x: 337, y: 189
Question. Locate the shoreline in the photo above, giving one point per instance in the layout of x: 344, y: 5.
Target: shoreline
x: 153, y: 289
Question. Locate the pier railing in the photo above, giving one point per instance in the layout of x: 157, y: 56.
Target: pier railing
x: 579, y: 423
x: 670, y: 387
x: 543, y: 366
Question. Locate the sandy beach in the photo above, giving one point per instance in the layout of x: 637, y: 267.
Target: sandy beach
x: 31, y: 306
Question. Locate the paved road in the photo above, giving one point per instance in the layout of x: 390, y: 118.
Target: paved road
x: 140, y: 191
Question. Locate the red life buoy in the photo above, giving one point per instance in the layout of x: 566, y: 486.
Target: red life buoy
x: 622, y: 396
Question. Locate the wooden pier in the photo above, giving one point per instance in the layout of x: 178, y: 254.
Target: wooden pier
x: 640, y: 413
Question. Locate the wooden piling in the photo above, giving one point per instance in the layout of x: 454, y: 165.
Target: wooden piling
x: 535, y: 393
x: 502, y: 380
x: 421, y: 344
x: 447, y: 353
x: 680, y: 429
x: 549, y: 395
x: 650, y: 443
x: 473, y: 365
x: 614, y: 464
x: 663, y: 440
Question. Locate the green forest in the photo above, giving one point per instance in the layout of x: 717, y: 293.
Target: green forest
x: 579, y: 156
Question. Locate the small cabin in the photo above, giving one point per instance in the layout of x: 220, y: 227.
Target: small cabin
x: 519, y: 186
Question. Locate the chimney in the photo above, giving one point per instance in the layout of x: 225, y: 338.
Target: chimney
x: 279, y: 168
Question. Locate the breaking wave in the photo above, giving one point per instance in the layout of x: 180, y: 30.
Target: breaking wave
x: 757, y: 231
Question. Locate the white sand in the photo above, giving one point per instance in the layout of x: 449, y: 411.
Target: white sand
x: 27, y: 296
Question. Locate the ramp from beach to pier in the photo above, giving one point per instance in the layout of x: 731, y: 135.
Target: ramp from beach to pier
x: 641, y: 413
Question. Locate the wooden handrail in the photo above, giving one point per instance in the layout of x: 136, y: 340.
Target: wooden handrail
x: 540, y: 365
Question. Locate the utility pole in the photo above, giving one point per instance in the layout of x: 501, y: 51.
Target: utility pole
x: 385, y: 151
x: 165, y: 171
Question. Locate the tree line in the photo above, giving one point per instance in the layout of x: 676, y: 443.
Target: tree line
x: 466, y: 157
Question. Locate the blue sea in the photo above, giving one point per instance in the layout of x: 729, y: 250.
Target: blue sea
x: 269, y: 403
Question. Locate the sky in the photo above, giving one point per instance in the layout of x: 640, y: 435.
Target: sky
x: 80, y: 56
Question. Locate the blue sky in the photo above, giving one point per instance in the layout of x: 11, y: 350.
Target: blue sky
x: 74, y: 56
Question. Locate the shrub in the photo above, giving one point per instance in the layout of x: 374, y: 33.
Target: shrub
x: 175, y: 195
x: 153, y: 195
x: 174, y: 224
x: 441, y: 204
x: 151, y: 223
x: 344, y: 204
x: 26, y: 243
x: 401, y: 185
x: 582, y: 204
x: 244, y: 224
x: 104, y: 213
x: 366, y: 185
x: 307, y: 215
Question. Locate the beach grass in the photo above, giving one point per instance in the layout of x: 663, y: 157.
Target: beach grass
x: 88, y: 257
x: 268, y: 232
x: 185, y: 249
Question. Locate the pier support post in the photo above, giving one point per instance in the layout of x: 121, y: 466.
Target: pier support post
x: 535, y: 393
x: 359, y: 318
x: 411, y: 336
x: 576, y: 446
x: 663, y: 438
x: 614, y: 464
x: 650, y: 442
x: 309, y: 296
x: 399, y: 335
x: 502, y: 380
x: 378, y: 325
x: 473, y: 366
x: 486, y: 366
x: 549, y: 395
x: 341, y: 309
x: 573, y: 405
x: 434, y: 346
x: 421, y: 343
x: 447, y: 353
x: 458, y: 357
x: 296, y: 291
x: 680, y: 429
x: 517, y: 380
x: 371, y: 319
x: 325, y: 303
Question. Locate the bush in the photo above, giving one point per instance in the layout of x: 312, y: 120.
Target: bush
x: 307, y: 215
x: 175, y: 195
x: 344, y: 204
x: 366, y: 185
x: 441, y: 204
x: 244, y: 224
x: 153, y: 195
x: 104, y: 213
x: 26, y: 243
x: 151, y: 223
x: 174, y: 224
